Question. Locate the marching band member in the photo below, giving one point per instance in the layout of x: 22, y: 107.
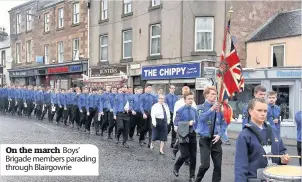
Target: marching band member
x: 210, y: 127
x: 256, y: 139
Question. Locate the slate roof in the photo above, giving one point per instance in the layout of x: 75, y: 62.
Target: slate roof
x: 284, y: 24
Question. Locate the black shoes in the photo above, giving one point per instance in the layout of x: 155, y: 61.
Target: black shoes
x: 173, y: 155
x: 161, y: 153
x: 125, y: 145
x: 97, y: 134
x: 175, y: 172
x: 192, y: 179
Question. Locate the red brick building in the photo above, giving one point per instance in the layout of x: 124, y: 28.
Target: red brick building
x: 49, y: 42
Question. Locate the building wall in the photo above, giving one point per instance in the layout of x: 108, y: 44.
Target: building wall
x: 66, y: 34
x: 40, y: 38
x: 261, y: 51
x: 176, y: 46
x: 248, y: 16
x: 24, y: 35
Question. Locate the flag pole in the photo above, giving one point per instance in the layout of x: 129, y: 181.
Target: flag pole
x: 219, y: 90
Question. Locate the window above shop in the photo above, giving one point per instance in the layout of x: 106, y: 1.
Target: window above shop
x: 277, y: 55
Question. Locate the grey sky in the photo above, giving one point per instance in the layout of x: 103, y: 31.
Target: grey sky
x: 6, y: 5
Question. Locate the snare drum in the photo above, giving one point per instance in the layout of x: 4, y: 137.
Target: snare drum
x: 283, y: 173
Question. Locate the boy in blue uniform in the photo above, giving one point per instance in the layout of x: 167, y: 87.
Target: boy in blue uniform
x: 68, y: 110
x: 259, y: 92
x: 91, y: 109
x: 82, y: 104
x: 255, y: 140
x: 61, y: 105
x: 146, y: 100
x: 274, y: 111
x: 171, y: 99
x: 107, y: 109
x: 136, y: 112
x: 298, y: 119
x: 210, y: 127
x: 121, y: 110
x: 185, y: 120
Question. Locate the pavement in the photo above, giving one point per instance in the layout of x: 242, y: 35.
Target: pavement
x: 116, y: 164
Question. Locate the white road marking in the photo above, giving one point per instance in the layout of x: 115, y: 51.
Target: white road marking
x: 44, y: 126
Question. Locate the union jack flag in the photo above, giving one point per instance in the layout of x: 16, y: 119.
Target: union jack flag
x: 229, y: 75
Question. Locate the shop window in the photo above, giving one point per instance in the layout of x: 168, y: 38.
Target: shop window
x: 284, y: 101
x: 240, y: 100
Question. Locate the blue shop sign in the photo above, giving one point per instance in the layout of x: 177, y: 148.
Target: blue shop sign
x: 75, y: 68
x: 189, y: 70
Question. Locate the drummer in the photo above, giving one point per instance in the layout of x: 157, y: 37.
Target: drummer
x: 249, y: 148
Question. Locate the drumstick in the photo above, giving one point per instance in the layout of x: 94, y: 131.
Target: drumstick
x: 275, y: 156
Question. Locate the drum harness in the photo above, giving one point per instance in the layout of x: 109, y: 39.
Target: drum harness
x: 267, y: 147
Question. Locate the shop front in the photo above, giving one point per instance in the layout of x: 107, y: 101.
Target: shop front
x: 113, y: 75
x: 285, y: 81
x: 178, y: 74
x: 56, y: 76
x: 23, y: 77
x: 65, y: 76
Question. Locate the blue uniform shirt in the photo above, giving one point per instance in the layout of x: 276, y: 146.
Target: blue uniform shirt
x: 112, y: 97
x: 274, y: 113
x: 206, y: 118
x: 120, y: 102
x: 186, y: 113
x: 74, y: 98
x: 91, y: 101
x: 171, y: 99
x: 53, y: 98
x: 46, y: 98
x: 106, y: 101
x: 146, y: 102
x: 4, y: 92
x: 82, y: 102
x: 62, y: 100
x: 298, y: 119
x: 249, y: 152
x: 69, y: 98
x: 135, y: 106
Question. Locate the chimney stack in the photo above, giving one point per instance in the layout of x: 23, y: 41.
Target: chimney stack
x: 3, y: 34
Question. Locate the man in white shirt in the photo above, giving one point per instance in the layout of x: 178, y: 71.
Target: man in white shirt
x: 180, y: 103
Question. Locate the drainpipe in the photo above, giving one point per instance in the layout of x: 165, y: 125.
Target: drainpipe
x: 181, y: 28
x: 88, y: 38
